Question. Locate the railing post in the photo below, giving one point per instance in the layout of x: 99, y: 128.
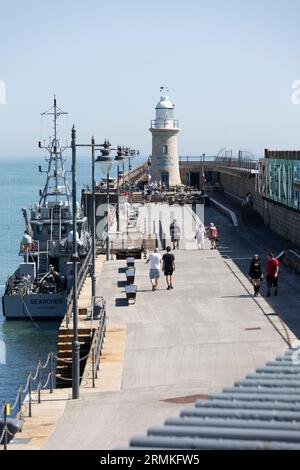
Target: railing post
x: 96, y: 364
x: 20, y: 400
x: 93, y: 366
x: 29, y: 394
x: 111, y: 250
x: 39, y: 381
x: 5, y: 426
x: 51, y: 373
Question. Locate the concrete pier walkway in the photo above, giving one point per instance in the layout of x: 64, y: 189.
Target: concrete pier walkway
x: 182, y: 344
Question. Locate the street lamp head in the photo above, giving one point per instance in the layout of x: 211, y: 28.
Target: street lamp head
x: 106, y: 144
x: 105, y: 161
x: 119, y: 155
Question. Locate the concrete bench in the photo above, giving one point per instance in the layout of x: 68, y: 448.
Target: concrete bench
x: 130, y: 262
x: 130, y: 275
x: 131, y: 291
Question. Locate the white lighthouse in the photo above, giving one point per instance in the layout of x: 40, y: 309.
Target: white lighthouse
x: 164, y: 129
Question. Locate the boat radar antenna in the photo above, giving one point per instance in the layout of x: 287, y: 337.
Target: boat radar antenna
x: 56, y: 184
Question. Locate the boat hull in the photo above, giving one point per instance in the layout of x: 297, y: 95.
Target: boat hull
x: 35, y: 306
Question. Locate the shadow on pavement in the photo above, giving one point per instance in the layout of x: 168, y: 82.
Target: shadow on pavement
x: 239, y: 244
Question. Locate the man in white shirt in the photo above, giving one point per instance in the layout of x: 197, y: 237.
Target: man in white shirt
x: 26, y: 243
x: 126, y: 207
x: 155, y: 261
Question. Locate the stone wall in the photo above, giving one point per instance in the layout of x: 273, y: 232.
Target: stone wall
x: 165, y: 163
x: 280, y: 219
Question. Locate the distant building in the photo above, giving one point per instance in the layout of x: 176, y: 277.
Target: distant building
x: 279, y: 177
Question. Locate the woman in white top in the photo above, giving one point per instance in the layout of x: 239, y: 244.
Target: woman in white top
x: 200, y: 236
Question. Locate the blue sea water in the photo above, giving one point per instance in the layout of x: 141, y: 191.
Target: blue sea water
x: 23, y: 343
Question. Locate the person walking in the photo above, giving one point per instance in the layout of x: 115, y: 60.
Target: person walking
x: 175, y: 234
x: 250, y: 200
x: 168, y: 267
x: 155, y: 261
x: 272, y: 274
x: 212, y: 234
x: 255, y: 274
x: 200, y: 236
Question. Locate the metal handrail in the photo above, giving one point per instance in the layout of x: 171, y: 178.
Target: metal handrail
x: 237, y: 163
x: 22, y: 394
x: 34, y: 380
x: 84, y: 269
x: 97, y: 350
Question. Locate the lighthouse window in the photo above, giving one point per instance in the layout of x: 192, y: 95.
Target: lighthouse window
x: 165, y: 150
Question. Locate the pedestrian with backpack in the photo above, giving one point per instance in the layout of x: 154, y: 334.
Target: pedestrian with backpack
x: 212, y: 234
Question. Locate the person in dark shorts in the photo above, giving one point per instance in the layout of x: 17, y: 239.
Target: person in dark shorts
x: 272, y: 274
x: 255, y: 274
x: 168, y: 267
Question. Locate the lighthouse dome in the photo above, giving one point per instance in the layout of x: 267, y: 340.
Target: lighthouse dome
x: 164, y: 103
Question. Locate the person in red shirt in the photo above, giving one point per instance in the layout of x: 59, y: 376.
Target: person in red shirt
x: 272, y: 274
x: 212, y: 234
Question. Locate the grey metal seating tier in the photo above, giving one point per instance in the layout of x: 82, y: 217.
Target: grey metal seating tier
x: 131, y: 291
x: 130, y: 262
x: 260, y: 412
x: 130, y: 275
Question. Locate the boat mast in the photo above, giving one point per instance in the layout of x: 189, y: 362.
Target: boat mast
x: 55, y: 161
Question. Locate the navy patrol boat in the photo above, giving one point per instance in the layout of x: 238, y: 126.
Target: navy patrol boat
x: 40, y: 287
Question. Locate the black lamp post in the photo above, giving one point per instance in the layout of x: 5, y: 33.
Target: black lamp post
x: 93, y: 146
x: 202, y: 171
x: 106, y: 162
x: 75, y: 343
x: 131, y: 155
x: 119, y: 157
x: 93, y: 222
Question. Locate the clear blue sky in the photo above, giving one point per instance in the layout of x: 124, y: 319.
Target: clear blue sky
x: 228, y: 64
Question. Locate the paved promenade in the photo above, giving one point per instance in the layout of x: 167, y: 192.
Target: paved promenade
x: 182, y: 344
x: 239, y: 244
